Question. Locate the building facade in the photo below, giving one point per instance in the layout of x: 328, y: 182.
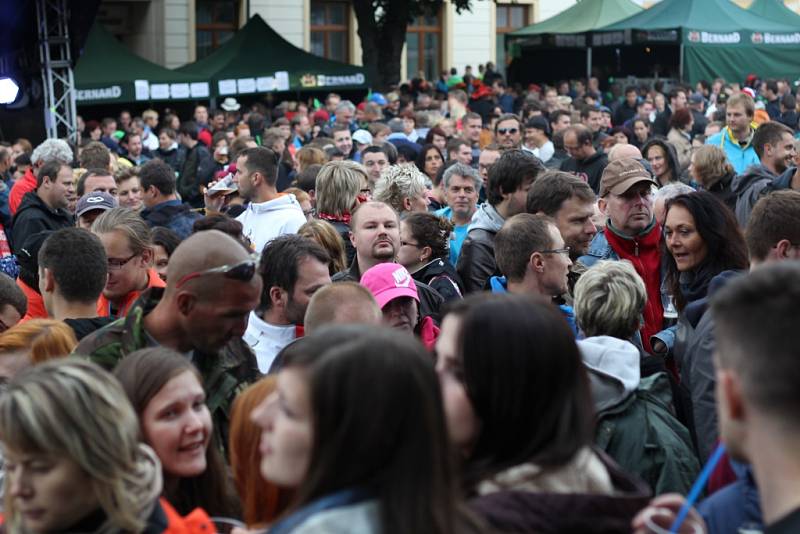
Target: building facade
x: 175, y: 32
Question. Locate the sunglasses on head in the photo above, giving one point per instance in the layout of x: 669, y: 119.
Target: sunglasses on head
x: 504, y: 131
x: 242, y: 271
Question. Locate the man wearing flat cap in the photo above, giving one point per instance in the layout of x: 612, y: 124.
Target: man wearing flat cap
x: 631, y: 233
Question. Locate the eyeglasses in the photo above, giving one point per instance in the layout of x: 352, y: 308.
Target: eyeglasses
x: 243, y: 272
x: 510, y: 131
x: 115, y: 264
x: 406, y: 243
x: 564, y: 250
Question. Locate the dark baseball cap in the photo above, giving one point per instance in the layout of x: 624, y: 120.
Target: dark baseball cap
x: 622, y: 174
x: 96, y: 200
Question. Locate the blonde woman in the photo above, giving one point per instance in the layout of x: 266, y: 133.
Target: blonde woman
x: 711, y: 170
x: 340, y: 187
x: 403, y: 188
x: 72, y: 473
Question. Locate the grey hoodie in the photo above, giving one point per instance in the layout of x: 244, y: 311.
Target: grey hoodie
x: 752, y: 184
x: 486, y: 218
x: 613, y: 366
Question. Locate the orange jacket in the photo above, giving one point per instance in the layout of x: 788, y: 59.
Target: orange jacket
x: 104, y: 306
x: 197, y: 522
x: 35, y: 303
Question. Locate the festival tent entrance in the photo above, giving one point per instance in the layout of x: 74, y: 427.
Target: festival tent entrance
x: 258, y: 60
x: 557, y: 47
x: 705, y: 39
x: 108, y: 73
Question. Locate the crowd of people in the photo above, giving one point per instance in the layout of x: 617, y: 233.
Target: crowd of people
x: 455, y: 307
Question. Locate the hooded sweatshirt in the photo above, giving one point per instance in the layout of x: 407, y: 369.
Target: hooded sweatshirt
x: 752, y: 184
x: 635, y: 422
x: 590, y: 170
x: 34, y: 216
x: 476, y: 264
x: 264, y: 221
x: 613, y: 366
x: 486, y: 218
x: 672, y: 160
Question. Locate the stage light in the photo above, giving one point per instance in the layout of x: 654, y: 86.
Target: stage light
x: 8, y: 90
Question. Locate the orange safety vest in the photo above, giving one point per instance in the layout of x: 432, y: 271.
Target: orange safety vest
x: 104, y: 306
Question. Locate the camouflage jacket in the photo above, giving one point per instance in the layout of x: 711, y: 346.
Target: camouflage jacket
x: 225, y: 373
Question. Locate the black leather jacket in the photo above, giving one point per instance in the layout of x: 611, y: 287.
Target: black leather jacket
x: 476, y: 263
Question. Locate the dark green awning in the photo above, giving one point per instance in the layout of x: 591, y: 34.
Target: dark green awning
x: 258, y: 60
x: 582, y: 17
x: 107, y: 72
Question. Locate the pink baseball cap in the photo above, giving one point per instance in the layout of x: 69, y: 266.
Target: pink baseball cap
x: 388, y: 281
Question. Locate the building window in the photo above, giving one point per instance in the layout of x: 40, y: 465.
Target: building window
x: 509, y: 18
x: 424, y: 47
x: 330, y: 30
x: 215, y: 23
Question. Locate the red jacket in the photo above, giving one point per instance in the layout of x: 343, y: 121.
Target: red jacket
x: 104, y: 306
x: 26, y: 184
x: 644, y: 252
x: 35, y: 303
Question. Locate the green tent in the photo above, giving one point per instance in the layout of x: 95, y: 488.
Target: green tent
x: 774, y: 10
x: 712, y: 38
x: 108, y: 73
x: 258, y: 60
x: 580, y: 18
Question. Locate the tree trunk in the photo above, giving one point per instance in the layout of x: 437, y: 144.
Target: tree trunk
x: 368, y: 32
x: 382, y: 41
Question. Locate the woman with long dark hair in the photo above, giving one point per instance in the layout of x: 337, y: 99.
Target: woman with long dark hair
x: 358, y: 428
x: 429, y: 162
x: 438, y: 138
x: 166, y: 391
x: 519, y: 409
x: 704, y: 248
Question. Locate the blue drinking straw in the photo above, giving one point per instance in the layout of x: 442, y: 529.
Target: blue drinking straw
x: 697, y: 487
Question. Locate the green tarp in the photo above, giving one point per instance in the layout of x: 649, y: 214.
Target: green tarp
x: 719, y: 16
x: 582, y: 17
x: 107, y: 72
x: 774, y: 10
x: 258, y: 60
x: 718, y: 38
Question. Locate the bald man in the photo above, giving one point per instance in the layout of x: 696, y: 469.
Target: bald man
x: 623, y: 151
x: 213, y: 284
x: 342, y: 303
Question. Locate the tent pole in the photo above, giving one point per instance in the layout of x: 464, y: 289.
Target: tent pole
x: 680, y: 64
x: 588, y: 63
